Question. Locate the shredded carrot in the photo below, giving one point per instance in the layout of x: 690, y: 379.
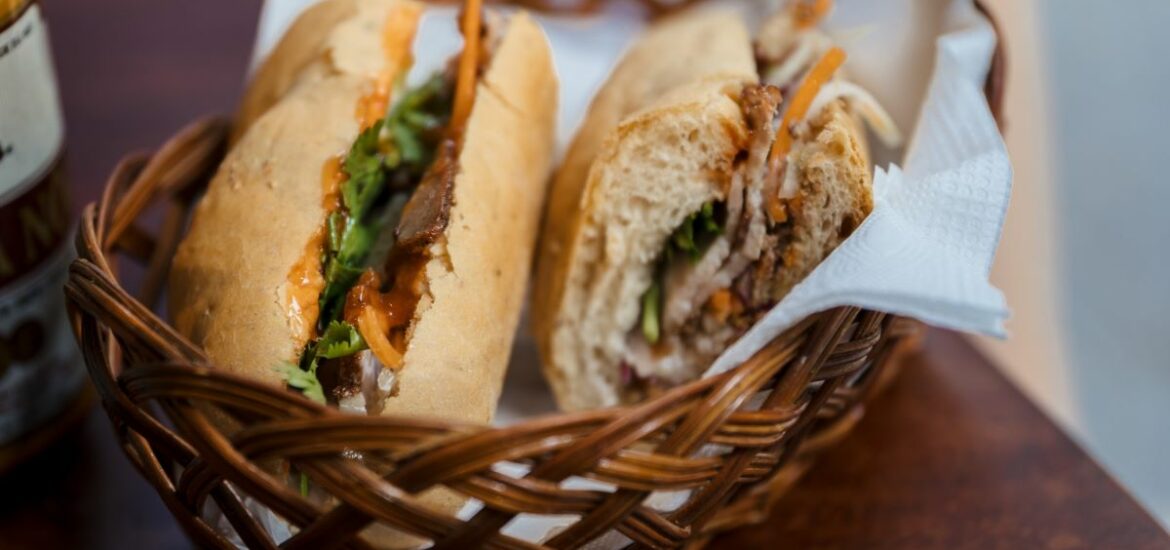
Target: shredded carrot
x: 808, y: 13
x: 722, y: 304
x: 777, y: 209
x: 796, y: 204
x: 374, y: 333
x: 802, y: 100
x: 797, y: 109
x: 468, y: 64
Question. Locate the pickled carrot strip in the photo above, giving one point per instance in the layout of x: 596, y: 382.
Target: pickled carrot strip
x: 777, y: 210
x: 468, y: 64
x: 821, y: 73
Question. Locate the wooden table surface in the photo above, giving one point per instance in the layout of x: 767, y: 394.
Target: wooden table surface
x: 951, y: 456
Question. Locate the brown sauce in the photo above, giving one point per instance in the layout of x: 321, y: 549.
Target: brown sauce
x: 305, y: 284
x: 306, y: 280
x: 394, y: 306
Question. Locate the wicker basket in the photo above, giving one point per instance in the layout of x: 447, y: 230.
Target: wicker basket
x: 158, y: 391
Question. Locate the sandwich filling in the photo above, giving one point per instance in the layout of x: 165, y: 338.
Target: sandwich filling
x: 729, y: 262
x: 388, y: 200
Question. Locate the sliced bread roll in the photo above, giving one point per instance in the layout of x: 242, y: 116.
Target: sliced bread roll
x: 694, y: 152
x: 657, y: 167
x: 235, y: 287
x: 683, y: 49
x: 246, y: 279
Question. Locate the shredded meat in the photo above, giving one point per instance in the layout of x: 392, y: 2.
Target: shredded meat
x: 747, y: 262
x: 692, y: 337
x: 689, y: 285
x: 759, y: 104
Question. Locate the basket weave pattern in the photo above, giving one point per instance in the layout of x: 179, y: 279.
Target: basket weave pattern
x: 768, y: 417
x: 157, y: 389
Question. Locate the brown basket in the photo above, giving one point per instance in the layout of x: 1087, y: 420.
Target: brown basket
x: 159, y: 391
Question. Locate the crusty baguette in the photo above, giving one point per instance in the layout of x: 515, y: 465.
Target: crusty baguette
x: 462, y: 334
x: 230, y: 287
x: 836, y: 179
x: 657, y: 166
x: 263, y: 213
x: 636, y: 171
x: 327, y: 38
x: 230, y: 281
x: 681, y: 49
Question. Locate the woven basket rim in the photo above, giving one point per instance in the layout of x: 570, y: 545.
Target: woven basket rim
x: 170, y: 373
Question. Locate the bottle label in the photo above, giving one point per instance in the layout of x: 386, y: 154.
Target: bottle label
x: 31, y: 129
x: 40, y: 368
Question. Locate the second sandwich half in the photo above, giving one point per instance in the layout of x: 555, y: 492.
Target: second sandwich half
x: 712, y: 174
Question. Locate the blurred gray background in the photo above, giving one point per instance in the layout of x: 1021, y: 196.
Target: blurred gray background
x: 1085, y: 257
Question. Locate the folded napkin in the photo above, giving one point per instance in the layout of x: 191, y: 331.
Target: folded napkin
x: 926, y: 249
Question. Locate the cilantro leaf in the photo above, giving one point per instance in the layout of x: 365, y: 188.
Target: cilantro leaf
x: 304, y: 380
x: 339, y: 277
x: 696, y: 232
x: 410, y: 149
x: 366, y: 170
x: 340, y: 339
x: 691, y: 238
x: 422, y: 120
x: 652, y: 311
x: 707, y: 218
x: 356, y: 240
x: 336, y: 224
x: 382, y: 167
x: 413, y: 123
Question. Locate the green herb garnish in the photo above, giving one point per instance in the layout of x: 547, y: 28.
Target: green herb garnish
x: 691, y: 238
x: 340, y: 339
x: 652, y: 311
x: 365, y: 167
x: 695, y: 233
x: 394, y: 150
x: 304, y: 380
x: 382, y: 168
x: 414, y: 123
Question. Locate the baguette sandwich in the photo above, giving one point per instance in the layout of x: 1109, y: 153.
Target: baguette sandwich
x: 710, y: 176
x: 365, y: 242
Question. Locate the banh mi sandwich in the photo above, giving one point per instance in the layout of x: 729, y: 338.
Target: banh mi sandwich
x: 367, y: 242
x: 688, y: 206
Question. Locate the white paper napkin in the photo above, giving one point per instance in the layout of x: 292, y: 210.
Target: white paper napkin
x: 926, y: 250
